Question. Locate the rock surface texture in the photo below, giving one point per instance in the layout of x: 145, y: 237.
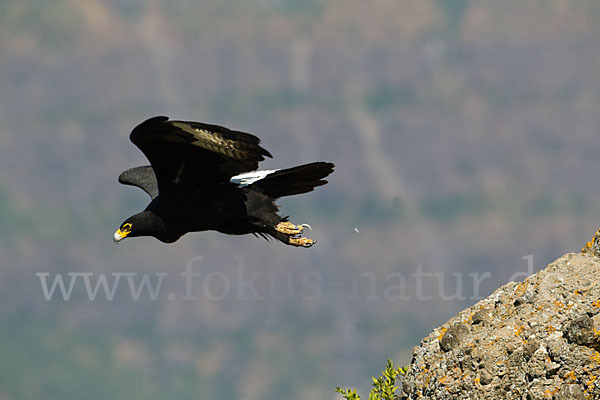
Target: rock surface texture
x: 539, y: 339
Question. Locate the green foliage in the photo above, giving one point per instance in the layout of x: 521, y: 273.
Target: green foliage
x: 384, y: 387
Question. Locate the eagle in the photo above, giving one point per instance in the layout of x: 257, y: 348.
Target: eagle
x: 205, y: 177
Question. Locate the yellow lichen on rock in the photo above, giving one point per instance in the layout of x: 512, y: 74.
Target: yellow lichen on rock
x: 593, y: 247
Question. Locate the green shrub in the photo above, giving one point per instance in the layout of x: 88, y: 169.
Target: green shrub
x: 384, y: 387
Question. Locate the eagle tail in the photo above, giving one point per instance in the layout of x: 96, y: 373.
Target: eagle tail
x: 295, y: 180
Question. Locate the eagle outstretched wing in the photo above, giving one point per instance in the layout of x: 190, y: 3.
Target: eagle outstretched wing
x: 186, y: 155
x: 142, y: 177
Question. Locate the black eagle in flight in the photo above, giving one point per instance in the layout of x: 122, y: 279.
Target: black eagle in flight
x: 205, y: 177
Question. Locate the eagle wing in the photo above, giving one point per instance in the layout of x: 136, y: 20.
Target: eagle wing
x: 142, y: 177
x: 186, y: 155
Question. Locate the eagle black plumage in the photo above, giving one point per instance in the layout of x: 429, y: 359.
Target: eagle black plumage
x: 204, y: 177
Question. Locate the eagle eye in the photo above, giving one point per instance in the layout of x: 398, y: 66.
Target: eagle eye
x: 126, y: 227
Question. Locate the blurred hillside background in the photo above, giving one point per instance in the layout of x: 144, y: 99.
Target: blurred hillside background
x: 465, y: 134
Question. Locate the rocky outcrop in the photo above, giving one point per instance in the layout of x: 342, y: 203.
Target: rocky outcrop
x: 538, y: 339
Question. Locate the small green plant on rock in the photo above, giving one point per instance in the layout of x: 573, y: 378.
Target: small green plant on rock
x: 384, y: 387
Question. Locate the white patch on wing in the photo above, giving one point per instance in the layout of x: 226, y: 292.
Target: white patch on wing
x: 249, y: 178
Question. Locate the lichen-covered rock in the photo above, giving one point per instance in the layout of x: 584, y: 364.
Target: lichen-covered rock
x: 453, y: 336
x: 538, y: 339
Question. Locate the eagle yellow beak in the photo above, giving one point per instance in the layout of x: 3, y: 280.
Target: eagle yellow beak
x: 120, y: 235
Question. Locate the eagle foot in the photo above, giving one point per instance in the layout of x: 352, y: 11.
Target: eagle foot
x: 302, y: 241
x: 293, y: 233
x: 287, y: 228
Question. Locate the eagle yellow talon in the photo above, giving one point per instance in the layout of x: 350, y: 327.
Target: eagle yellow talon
x: 302, y: 241
x: 288, y: 228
